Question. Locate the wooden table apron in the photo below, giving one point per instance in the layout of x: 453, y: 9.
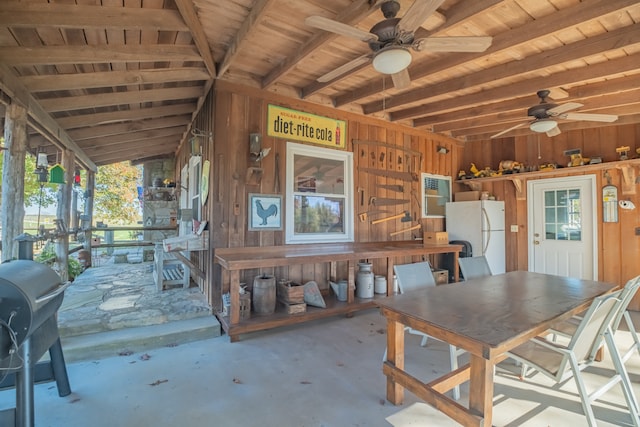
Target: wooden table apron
x: 236, y: 259
x: 486, y: 317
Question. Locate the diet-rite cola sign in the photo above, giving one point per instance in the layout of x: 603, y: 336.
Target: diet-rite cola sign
x: 300, y: 126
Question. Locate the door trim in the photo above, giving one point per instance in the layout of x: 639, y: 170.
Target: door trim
x: 591, y: 180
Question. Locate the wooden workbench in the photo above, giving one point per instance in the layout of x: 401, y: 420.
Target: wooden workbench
x: 236, y: 259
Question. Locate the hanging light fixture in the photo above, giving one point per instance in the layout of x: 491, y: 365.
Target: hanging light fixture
x: 391, y: 60
x: 543, y: 125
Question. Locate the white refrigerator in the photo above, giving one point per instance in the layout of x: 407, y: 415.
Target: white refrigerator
x: 481, y: 223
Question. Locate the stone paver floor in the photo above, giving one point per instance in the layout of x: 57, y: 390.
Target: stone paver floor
x: 114, y: 296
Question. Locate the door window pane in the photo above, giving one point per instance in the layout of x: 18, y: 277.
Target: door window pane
x: 563, y: 216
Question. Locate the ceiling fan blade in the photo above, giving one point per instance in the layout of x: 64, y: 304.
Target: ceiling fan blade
x: 508, y: 130
x: 563, y: 108
x: 558, y: 93
x: 554, y: 131
x: 415, y: 16
x: 453, y: 44
x: 590, y: 117
x: 401, y: 80
x: 344, y: 68
x: 339, y: 28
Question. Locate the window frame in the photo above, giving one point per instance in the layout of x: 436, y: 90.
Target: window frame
x: 424, y: 195
x: 291, y: 237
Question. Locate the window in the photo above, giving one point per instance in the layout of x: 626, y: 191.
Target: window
x: 319, y: 202
x: 436, y: 192
x: 562, y: 216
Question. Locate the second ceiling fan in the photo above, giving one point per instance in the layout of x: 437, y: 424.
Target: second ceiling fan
x: 545, y: 115
x: 391, y: 40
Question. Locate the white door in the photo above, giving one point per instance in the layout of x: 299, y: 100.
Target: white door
x: 562, y: 229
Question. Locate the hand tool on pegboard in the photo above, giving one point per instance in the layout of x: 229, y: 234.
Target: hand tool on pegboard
x: 414, y: 227
x: 364, y: 215
x: 393, y: 187
x: 381, y: 201
x: 406, y: 217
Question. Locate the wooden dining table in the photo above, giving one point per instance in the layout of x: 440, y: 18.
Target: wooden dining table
x: 486, y: 317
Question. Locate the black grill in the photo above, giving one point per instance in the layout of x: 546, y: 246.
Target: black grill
x: 30, y: 296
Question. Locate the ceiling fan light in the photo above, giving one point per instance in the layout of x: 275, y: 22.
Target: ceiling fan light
x: 543, y: 125
x: 392, y: 60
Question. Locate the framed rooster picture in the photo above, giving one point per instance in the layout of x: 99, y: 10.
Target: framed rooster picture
x: 265, y: 212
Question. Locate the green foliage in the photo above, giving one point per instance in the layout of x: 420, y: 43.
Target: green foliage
x: 116, y: 195
x: 48, y: 256
x: 31, y: 184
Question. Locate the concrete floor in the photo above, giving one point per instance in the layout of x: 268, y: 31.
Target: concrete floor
x: 323, y: 373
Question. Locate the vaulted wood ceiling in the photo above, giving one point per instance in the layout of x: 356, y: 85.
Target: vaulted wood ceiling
x: 122, y: 79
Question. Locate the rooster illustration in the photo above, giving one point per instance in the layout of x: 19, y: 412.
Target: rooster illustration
x: 263, y: 213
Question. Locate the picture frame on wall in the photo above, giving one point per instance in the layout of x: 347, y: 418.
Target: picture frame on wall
x: 265, y: 212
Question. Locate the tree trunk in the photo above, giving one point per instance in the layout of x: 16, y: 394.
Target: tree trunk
x: 12, y: 210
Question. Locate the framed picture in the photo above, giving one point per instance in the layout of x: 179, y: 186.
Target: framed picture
x: 265, y: 212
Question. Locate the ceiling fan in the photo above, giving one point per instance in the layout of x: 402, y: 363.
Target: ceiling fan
x: 545, y: 112
x: 391, y: 39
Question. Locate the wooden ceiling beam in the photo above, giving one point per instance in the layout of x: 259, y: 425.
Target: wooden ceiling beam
x: 126, y: 127
x: 613, y: 40
x: 112, y: 141
x: 557, y: 21
x: 132, y: 153
x: 100, y: 79
x: 120, y: 98
x: 82, y: 120
x: 609, y: 69
x: 253, y: 19
x: 188, y: 12
x: 37, y: 15
x: 39, y: 119
x: 356, y: 12
x: 58, y: 55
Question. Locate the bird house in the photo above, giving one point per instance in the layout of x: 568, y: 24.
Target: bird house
x: 56, y: 174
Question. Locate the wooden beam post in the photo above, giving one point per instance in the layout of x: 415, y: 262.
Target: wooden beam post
x: 12, y: 210
x: 63, y: 214
x: 87, y: 221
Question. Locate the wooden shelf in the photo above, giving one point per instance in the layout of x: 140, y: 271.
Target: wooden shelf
x: 518, y: 178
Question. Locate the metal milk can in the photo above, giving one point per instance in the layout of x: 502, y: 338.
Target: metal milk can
x: 364, y: 280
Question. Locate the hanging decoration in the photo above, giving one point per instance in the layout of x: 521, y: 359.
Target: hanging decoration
x: 56, y: 174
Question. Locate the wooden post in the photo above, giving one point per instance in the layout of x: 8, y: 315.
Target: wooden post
x: 64, y: 214
x: 12, y: 211
x: 88, y: 212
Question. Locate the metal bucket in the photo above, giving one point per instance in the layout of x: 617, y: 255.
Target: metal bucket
x: 264, y: 294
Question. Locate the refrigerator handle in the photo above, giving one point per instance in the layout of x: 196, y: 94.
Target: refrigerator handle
x: 486, y: 218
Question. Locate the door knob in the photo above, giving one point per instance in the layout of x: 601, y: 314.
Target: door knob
x: 536, y: 242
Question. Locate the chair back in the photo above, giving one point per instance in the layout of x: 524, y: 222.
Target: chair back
x: 472, y: 267
x: 588, y: 337
x: 627, y: 294
x: 414, y: 276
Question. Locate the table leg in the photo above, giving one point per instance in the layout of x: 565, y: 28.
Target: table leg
x: 481, y: 388
x: 389, y: 276
x: 234, y: 290
x: 395, y: 356
x: 351, y: 280
x: 456, y: 268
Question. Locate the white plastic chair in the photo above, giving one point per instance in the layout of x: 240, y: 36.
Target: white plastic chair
x: 419, y: 276
x: 472, y: 267
x: 560, y: 362
x: 568, y: 327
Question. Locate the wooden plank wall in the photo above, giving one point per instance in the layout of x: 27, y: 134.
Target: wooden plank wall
x: 240, y: 111
x: 619, y: 247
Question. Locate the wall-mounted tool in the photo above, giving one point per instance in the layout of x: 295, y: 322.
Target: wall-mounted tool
x: 395, y: 233
x: 406, y: 217
x: 393, y: 187
x: 364, y: 215
x: 380, y: 201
